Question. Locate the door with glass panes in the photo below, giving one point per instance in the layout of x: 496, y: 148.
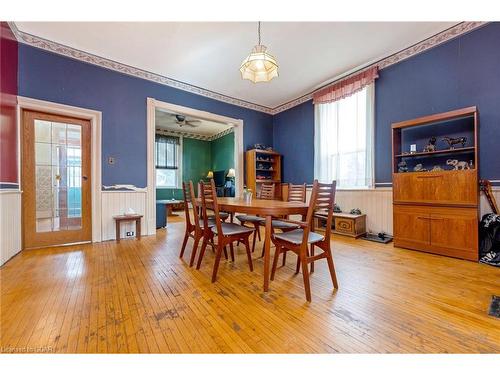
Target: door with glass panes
x: 55, y: 179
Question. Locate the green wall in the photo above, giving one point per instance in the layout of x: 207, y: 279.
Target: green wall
x: 198, y: 157
x: 223, y: 153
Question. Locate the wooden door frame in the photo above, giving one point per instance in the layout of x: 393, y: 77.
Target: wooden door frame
x: 95, y: 118
x: 152, y: 104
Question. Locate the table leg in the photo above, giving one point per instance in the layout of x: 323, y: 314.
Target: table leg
x: 138, y: 229
x: 117, y: 230
x: 267, y: 252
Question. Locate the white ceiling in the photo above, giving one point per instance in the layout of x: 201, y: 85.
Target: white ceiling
x: 167, y: 121
x: 208, y: 54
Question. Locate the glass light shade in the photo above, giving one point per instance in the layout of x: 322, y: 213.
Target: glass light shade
x: 231, y: 173
x: 210, y: 174
x: 259, y: 66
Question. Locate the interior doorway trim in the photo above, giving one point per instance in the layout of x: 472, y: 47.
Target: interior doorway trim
x: 152, y: 104
x: 95, y: 118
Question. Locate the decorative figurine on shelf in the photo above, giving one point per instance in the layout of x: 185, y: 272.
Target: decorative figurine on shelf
x: 431, y: 146
x: 336, y: 208
x: 259, y: 146
x: 269, y: 148
x: 455, y: 141
x: 458, y: 165
x: 355, y: 211
x: 436, y: 168
x: 419, y: 168
x: 413, y: 148
x: 402, y: 167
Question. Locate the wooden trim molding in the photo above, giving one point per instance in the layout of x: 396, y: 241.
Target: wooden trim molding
x: 95, y: 118
x: 51, y: 46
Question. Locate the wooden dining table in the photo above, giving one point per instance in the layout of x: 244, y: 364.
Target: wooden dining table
x: 265, y: 208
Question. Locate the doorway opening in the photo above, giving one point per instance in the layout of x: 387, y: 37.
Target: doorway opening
x: 187, y: 144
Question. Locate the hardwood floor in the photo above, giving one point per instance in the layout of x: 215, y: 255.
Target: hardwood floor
x: 138, y: 296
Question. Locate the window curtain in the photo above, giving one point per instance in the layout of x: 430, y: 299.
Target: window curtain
x: 166, y: 151
x: 344, y: 140
x: 346, y: 87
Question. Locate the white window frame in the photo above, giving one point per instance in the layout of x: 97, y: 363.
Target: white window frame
x: 370, y: 146
x: 178, y: 174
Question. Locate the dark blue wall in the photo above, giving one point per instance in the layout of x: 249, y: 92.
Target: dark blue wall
x: 459, y: 73
x: 294, y: 137
x: 122, y: 101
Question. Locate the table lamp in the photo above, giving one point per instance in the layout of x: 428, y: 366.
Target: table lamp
x: 210, y: 174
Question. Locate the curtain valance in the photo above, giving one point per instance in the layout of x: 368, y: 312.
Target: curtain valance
x: 346, y: 87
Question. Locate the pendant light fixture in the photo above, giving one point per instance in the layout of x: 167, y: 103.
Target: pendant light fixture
x: 259, y: 66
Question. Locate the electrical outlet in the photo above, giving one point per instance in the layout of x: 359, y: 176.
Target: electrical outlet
x: 129, y: 234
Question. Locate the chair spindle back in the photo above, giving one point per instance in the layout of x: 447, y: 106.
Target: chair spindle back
x: 267, y: 191
x: 322, y: 199
x: 209, y: 202
x: 296, y: 193
x: 188, y: 199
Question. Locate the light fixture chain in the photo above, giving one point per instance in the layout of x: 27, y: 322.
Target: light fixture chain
x: 259, y: 32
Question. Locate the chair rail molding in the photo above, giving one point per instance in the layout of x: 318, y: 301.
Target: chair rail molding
x: 95, y: 118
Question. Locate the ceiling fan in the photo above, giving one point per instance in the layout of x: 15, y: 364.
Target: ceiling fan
x: 181, y: 121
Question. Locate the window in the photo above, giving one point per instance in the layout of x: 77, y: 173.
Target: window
x: 343, y: 140
x: 167, y: 154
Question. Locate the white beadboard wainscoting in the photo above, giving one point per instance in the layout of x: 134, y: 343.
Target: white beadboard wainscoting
x: 10, y: 224
x: 117, y: 203
x: 375, y: 203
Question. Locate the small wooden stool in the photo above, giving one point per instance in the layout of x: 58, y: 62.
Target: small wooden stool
x: 124, y: 218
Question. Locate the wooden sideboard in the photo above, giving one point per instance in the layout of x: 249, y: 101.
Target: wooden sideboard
x: 437, y: 211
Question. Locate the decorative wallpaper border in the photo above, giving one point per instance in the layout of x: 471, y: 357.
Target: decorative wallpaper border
x: 103, y: 62
x: 38, y: 42
x: 200, y: 137
x: 433, y: 41
x: 222, y: 134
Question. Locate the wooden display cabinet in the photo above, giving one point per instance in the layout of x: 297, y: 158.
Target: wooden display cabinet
x: 437, y: 211
x: 263, y: 166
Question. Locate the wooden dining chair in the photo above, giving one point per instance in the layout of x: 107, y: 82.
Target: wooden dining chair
x: 299, y: 240
x: 296, y: 193
x: 195, y: 228
x: 225, y: 233
x: 266, y: 192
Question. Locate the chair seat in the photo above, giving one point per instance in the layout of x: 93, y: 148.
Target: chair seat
x: 250, y: 218
x: 228, y: 229
x: 278, y: 224
x: 211, y: 223
x: 295, y: 236
x: 222, y: 215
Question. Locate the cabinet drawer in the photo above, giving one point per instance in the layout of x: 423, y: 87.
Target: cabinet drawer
x: 411, y: 226
x: 443, y: 187
x: 454, y: 232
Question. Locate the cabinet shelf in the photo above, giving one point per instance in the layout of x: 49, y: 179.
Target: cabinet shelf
x: 264, y: 161
x: 462, y: 150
